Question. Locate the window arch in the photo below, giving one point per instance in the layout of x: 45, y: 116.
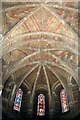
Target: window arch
x: 64, y: 101
x: 18, y: 100
x: 41, y: 105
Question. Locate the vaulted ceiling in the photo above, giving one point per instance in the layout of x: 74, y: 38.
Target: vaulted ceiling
x: 40, y: 44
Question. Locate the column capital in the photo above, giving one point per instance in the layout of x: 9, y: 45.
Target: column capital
x: 54, y: 94
x: 70, y: 84
x: 29, y: 92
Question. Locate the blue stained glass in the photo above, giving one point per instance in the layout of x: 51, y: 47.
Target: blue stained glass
x: 18, y: 100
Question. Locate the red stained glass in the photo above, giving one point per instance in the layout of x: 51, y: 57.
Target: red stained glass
x: 41, y: 105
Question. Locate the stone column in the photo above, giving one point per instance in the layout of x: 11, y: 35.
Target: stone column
x: 53, y: 101
x: 70, y: 96
x: 11, y: 98
x: 30, y: 105
x: 50, y: 108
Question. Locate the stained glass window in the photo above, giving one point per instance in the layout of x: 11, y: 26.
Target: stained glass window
x: 41, y: 105
x: 18, y: 100
x: 64, y: 101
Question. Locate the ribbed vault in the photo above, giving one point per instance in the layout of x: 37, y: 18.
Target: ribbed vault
x: 40, y: 47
